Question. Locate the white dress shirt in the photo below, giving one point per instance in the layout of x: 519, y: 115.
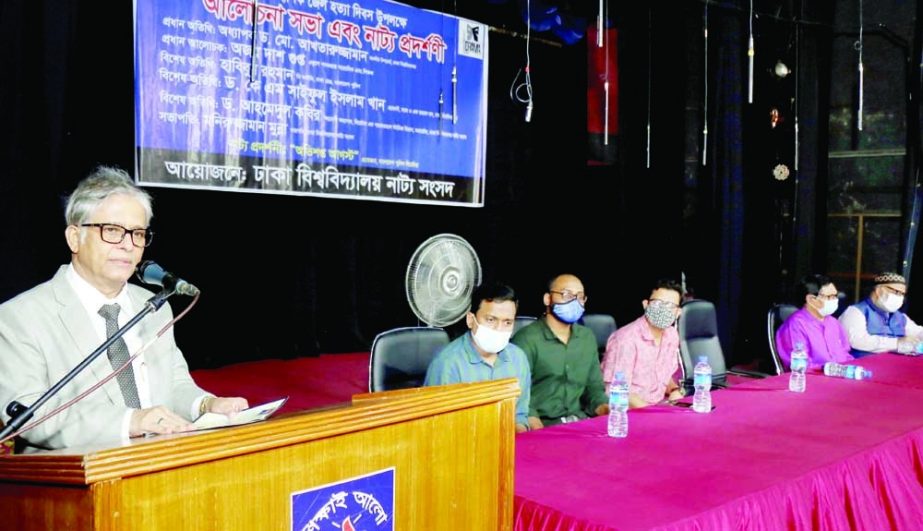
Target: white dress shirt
x: 92, y: 300
x: 853, y: 321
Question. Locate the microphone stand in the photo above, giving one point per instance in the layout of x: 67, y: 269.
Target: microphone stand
x: 20, y: 414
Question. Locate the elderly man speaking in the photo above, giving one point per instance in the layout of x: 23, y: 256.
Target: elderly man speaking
x: 48, y: 330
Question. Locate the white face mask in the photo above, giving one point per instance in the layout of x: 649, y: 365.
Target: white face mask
x: 829, y: 307
x: 892, y: 303
x: 490, y: 340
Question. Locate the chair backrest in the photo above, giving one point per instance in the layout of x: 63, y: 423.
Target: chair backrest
x: 698, y: 336
x: 843, y: 303
x: 522, y: 321
x: 774, y: 319
x: 401, y: 356
x: 602, y: 326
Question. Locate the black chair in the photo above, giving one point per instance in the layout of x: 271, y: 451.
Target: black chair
x: 602, y: 326
x: 843, y: 304
x: 698, y: 336
x: 774, y: 319
x: 521, y: 322
x: 401, y: 356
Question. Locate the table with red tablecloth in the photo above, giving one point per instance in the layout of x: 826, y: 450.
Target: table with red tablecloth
x: 844, y: 454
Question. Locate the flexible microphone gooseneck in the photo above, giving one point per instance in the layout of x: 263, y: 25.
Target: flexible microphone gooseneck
x: 151, y: 273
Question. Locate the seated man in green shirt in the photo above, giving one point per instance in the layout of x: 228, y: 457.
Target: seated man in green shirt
x: 485, y: 352
x: 567, y: 383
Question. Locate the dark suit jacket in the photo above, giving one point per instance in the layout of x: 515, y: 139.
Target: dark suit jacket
x: 45, y: 332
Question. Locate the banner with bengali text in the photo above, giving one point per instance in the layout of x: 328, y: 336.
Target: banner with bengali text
x: 366, y: 100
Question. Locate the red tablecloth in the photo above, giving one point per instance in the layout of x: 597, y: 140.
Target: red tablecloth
x: 845, y: 454
x: 894, y: 369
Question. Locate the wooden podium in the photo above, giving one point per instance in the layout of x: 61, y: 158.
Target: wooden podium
x: 451, y: 449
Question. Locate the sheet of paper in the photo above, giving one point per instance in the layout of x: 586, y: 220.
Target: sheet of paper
x: 253, y: 414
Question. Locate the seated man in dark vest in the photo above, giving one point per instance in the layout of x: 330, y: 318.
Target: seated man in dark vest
x: 876, y: 324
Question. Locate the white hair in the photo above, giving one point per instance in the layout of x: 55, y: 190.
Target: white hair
x: 96, y: 188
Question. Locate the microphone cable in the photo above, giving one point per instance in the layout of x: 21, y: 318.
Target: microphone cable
x: 516, y: 90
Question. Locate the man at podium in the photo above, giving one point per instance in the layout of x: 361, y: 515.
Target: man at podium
x: 48, y: 330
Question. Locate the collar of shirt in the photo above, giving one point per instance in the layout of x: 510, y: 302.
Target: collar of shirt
x: 646, y: 333
x: 474, y: 357
x: 809, y: 319
x: 548, y: 333
x: 641, y: 329
x: 874, y: 307
x: 92, y: 299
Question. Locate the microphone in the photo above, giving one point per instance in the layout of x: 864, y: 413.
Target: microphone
x: 151, y: 273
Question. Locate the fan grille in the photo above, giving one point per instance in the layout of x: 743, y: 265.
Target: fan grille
x: 440, y: 277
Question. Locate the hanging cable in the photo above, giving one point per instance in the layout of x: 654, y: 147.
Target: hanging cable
x: 440, y: 101
x: 705, y: 90
x: 796, y: 100
x: 606, y: 82
x: 254, y: 37
x: 455, y: 73
x: 650, y: 68
x: 455, y: 93
x: 751, y: 56
x: 861, y: 69
x: 599, y: 26
x: 516, y: 91
x: 794, y: 227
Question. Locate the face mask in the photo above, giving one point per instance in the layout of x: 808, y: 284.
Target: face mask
x: 490, y: 340
x: 829, y: 307
x: 568, y: 312
x: 659, y: 315
x: 892, y: 303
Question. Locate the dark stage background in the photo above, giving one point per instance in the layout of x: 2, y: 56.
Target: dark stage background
x: 294, y: 276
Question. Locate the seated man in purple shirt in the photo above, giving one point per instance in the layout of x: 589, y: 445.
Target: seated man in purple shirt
x: 814, y: 326
x: 646, y: 349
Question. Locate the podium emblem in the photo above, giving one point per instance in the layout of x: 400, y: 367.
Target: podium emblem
x: 361, y: 503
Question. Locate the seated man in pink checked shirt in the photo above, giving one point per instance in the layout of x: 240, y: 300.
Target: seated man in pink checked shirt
x: 646, y: 349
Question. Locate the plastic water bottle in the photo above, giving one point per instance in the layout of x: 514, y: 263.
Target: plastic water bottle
x: 850, y: 372
x: 701, y: 400
x: 618, y: 406
x: 799, y: 364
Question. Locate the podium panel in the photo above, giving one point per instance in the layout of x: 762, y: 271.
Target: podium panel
x: 450, y: 448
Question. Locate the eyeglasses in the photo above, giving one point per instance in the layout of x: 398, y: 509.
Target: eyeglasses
x: 660, y: 303
x: 828, y: 297
x: 568, y: 296
x: 891, y: 290
x: 112, y: 233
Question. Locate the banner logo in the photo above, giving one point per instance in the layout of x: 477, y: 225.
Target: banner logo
x: 474, y: 37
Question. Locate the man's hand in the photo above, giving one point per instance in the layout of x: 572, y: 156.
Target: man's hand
x: 535, y: 423
x: 156, y: 420
x: 521, y: 428
x: 676, y: 394
x: 904, y: 346
x: 227, y: 405
x: 602, y: 409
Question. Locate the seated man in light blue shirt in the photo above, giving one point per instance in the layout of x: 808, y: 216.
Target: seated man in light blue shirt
x: 485, y: 351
